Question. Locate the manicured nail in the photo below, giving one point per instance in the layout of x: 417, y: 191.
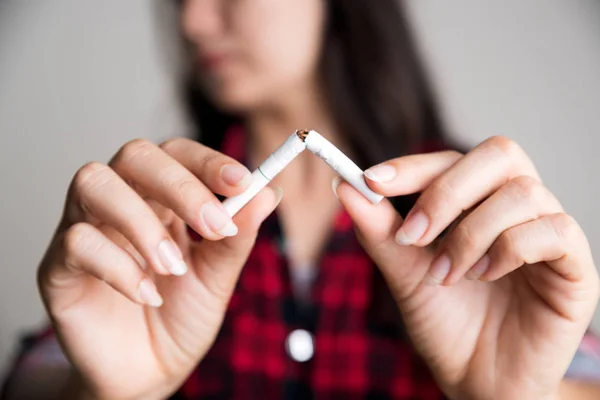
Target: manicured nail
x: 479, y: 268
x: 148, y: 293
x: 438, y: 271
x: 217, y: 220
x: 171, y: 257
x: 381, y: 173
x: 413, y: 228
x: 334, y: 185
x: 235, y: 175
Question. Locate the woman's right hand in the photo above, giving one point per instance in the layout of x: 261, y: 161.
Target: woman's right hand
x: 121, y: 241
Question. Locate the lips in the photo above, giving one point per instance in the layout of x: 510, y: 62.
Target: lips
x: 214, y: 61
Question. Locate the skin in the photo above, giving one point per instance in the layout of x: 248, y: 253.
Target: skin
x: 509, y: 334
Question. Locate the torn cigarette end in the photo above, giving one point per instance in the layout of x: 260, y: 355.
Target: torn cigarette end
x: 302, y: 134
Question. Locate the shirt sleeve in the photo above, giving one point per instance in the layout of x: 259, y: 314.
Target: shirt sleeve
x: 585, y: 366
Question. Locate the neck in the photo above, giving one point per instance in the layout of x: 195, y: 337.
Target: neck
x: 308, y: 205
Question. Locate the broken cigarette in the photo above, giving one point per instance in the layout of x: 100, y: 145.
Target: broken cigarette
x: 285, y: 154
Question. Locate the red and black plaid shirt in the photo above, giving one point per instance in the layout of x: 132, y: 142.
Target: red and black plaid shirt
x: 357, y: 354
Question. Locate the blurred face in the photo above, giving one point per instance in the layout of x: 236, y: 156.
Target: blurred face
x: 254, y: 53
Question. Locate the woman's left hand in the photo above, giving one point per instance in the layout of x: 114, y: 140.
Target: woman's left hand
x: 510, y: 328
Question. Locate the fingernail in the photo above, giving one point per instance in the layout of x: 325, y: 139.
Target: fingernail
x: 438, y: 271
x: 413, y: 228
x: 217, y: 220
x: 171, y: 257
x: 148, y: 293
x: 235, y: 175
x: 334, y: 185
x: 381, y: 173
x: 479, y: 268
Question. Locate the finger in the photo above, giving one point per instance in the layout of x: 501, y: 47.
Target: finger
x: 219, y: 263
x: 521, y: 200
x: 117, y: 238
x: 469, y: 181
x: 165, y: 215
x: 404, y: 267
x: 103, y: 194
x: 168, y: 219
x: 143, y: 164
x: 174, y: 225
x: 221, y: 173
x: 409, y: 174
x: 388, y: 220
x: 88, y: 251
x: 555, y: 241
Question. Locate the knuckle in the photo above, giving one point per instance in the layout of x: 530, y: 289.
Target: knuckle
x: 566, y: 228
x: 506, y: 247
x: 89, y: 174
x: 186, y: 188
x: 211, y: 158
x: 78, y: 239
x: 526, y: 188
x: 463, y: 240
x: 438, y: 198
x: 133, y: 150
x: 168, y: 145
x: 504, y: 145
x: 89, y: 180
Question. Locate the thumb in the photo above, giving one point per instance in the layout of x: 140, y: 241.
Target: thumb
x: 219, y: 263
x: 404, y: 267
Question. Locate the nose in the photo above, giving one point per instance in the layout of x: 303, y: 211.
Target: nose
x: 201, y: 19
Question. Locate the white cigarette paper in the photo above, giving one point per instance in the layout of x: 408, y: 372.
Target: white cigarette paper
x: 341, y: 164
x: 285, y: 154
x: 261, y: 177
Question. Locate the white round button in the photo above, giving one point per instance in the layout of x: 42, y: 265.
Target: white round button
x: 300, y: 345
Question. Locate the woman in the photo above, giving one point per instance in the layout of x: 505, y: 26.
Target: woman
x: 155, y: 292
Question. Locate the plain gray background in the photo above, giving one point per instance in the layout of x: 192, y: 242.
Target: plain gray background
x: 78, y: 78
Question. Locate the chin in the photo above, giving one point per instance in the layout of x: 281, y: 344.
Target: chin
x: 234, y: 97
x: 232, y: 104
